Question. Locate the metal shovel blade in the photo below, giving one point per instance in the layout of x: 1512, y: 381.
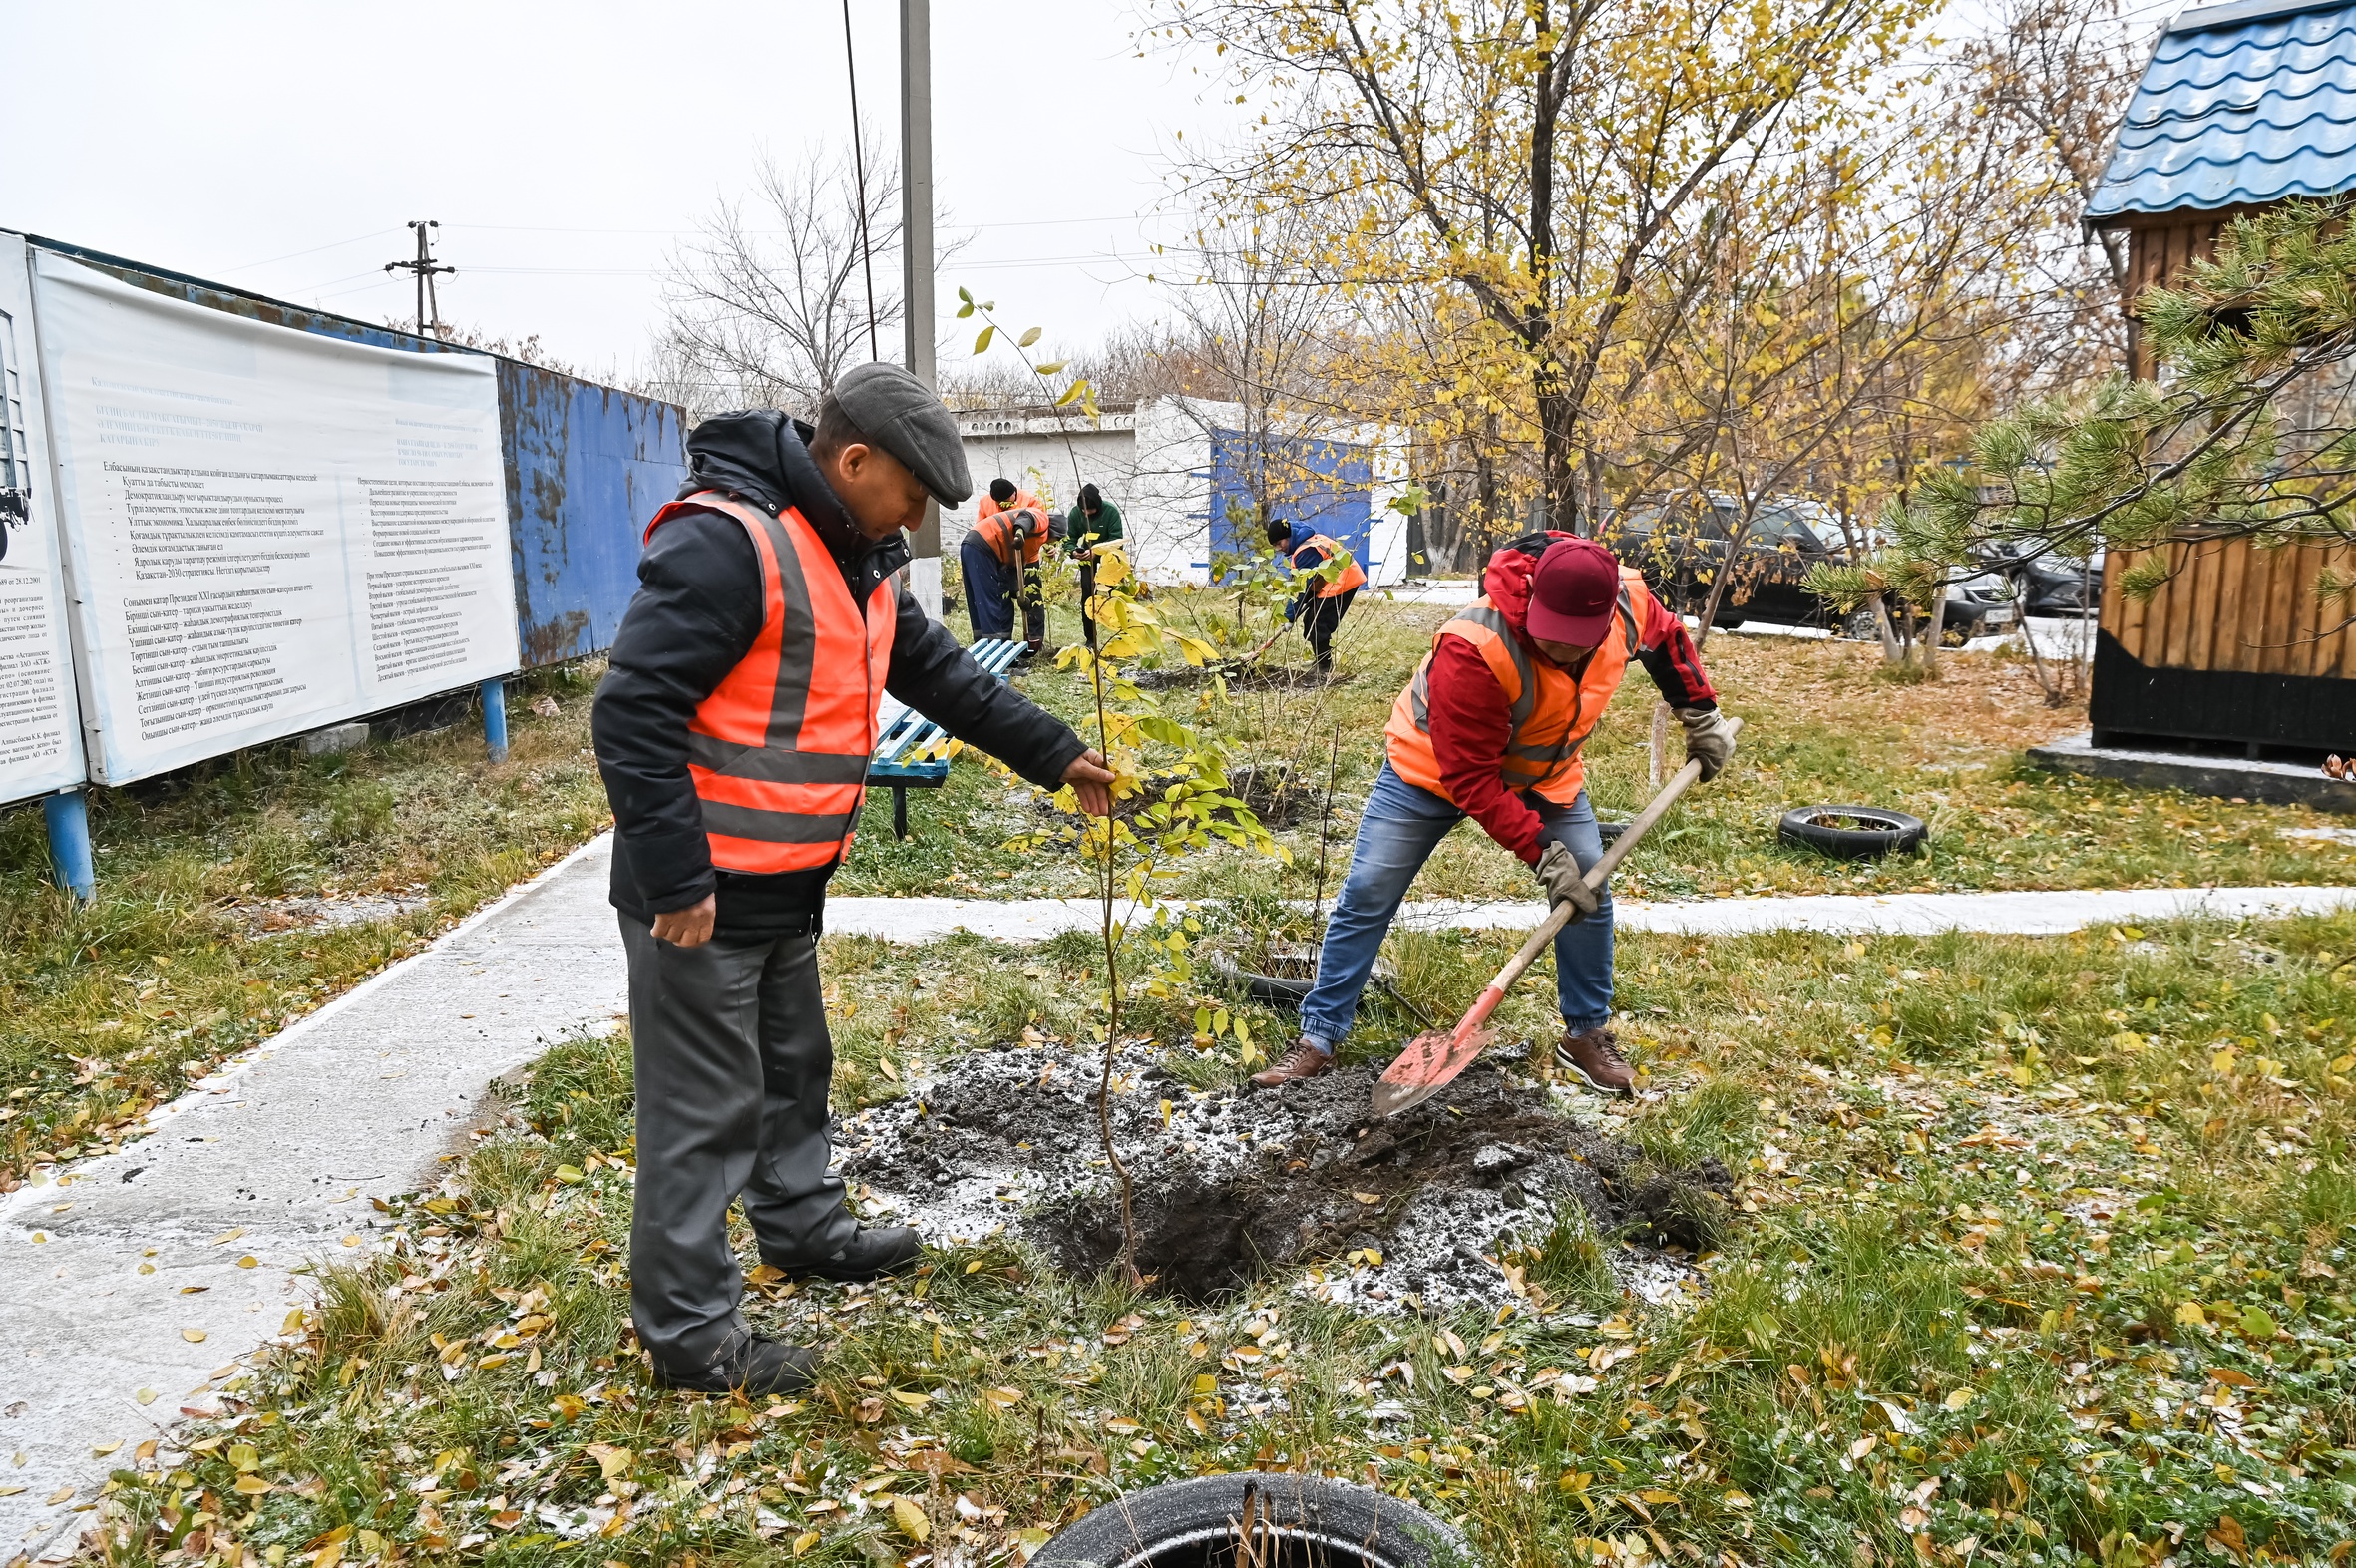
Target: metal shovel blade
x: 1428, y: 1064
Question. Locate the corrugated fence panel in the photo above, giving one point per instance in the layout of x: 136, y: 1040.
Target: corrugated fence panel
x: 587, y: 466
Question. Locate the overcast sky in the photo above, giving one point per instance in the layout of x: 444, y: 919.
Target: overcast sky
x: 567, y: 149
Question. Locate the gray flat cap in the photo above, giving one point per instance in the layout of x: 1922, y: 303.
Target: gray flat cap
x: 900, y: 414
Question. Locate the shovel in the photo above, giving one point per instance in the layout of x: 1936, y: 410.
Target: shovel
x: 1236, y: 666
x: 1431, y: 1062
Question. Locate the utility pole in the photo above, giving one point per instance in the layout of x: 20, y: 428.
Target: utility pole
x: 915, y: 257
x: 429, y: 309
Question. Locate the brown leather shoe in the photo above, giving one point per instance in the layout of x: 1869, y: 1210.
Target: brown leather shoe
x: 1595, y: 1057
x: 1304, y: 1061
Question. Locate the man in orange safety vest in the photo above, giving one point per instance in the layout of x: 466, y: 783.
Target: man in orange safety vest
x: 733, y: 730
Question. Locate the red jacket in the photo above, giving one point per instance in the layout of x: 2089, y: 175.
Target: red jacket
x: 1470, y: 719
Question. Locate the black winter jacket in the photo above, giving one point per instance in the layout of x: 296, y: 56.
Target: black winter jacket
x: 694, y: 618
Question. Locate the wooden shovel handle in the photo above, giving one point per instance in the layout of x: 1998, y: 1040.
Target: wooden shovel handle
x: 1601, y: 872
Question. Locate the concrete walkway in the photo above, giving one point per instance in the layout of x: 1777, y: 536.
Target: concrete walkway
x: 130, y: 1285
x: 2028, y: 913
x: 270, y: 1162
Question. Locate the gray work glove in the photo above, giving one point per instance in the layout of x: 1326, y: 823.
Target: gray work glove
x: 1559, y: 870
x: 1708, y: 739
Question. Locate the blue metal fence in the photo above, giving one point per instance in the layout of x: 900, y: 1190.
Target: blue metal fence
x: 587, y: 466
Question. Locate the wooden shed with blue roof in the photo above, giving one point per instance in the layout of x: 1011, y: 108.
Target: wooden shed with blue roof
x: 2243, y: 107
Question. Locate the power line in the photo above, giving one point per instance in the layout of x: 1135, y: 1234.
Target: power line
x: 373, y: 233
x: 867, y: 255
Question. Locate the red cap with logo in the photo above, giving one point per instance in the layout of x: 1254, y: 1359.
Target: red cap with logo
x: 1573, y: 591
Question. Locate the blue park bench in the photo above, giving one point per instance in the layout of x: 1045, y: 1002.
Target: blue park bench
x: 902, y: 757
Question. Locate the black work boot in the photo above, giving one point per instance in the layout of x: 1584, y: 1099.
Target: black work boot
x: 753, y: 1365
x: 869, y: 1255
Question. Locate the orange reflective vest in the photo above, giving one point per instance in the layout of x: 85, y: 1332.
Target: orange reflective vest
x: 1554, y: 709
x: 779, y: 751
x: 1350, y: 577
x: 1022, y: 520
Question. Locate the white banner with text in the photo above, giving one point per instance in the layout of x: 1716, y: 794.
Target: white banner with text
x: 267, y: 530
x: 40, y: 740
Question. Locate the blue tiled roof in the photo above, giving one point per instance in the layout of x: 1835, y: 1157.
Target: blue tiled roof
x: 2244, y: 103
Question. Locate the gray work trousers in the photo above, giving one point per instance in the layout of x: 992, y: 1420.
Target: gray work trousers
x: 732, y: 1061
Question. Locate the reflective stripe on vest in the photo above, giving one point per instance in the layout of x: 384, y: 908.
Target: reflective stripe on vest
x: 778, y: 752
x: 1551, y: 710
x: 1350, y: 577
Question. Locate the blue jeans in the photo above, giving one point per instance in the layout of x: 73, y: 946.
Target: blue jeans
x: 989, y: 590
x: 1402, y: 825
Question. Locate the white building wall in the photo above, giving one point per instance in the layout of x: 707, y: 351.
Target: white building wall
x: 1032, y: 452
x: 1155, y: 465
x: 1170, y: 528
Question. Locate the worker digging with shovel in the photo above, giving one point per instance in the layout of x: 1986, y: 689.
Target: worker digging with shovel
x: 1490, y: 727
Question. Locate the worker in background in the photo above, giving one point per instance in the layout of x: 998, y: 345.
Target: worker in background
x: 733, y: 729
x: 1001, y: 562
x: 1491, y: 727
x: 1329, y: 578
x: 1093, y: 524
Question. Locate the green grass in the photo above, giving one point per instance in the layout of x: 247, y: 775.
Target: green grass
x: 107, y: 1009
x: 2043, y: 1257
x: 1821, y: 728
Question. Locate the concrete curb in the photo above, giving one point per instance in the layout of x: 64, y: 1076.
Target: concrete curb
x: 2225, y: 778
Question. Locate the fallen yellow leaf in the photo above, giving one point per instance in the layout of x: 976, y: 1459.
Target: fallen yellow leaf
x: 105, y: 1448
x: 1958, y: 1399
x: 59, y: 1496
x: 146, y: 1397
x: 804, y: 1541
x: 252, y: 1485
x: 192, y: 1335
x: 613, y: 1461
x: 912, y: 1520
x: 915, y: 1402
x: 249, y: 1261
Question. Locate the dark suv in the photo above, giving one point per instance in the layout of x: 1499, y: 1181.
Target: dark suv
x: 1681, y: 550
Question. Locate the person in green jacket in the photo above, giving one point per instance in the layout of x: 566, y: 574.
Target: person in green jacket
x: 1095, y: 521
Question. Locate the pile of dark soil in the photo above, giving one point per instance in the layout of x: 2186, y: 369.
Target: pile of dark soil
x: 1239, y: 677
x: 1232, y: 1187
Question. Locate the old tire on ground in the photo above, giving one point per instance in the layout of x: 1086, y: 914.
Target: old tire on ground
x: 1853, y: 832
x: 1315, y: 1523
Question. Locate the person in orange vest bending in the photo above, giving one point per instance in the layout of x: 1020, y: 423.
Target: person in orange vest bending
x: 1329, y: 579
x: 1000, y: 560
x: 733, y: 730
x: 1490, y: 727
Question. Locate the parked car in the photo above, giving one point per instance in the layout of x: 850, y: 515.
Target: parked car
x: 2051, y: 583
x: 1681, y: 550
